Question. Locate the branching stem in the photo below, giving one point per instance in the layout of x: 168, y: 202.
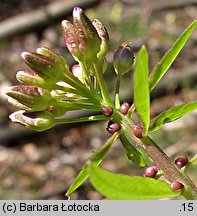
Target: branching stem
x: 170, y: 170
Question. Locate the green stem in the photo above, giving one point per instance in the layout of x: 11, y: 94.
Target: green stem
x: 171, y: 172
x: 101, y: 82
x: 117, y: 89
x: 87, y: 75
x: 131, y: 110
x: 74, y: 105
x: 82, y: 119
x: 193, y: 160
x: 77, y: 84
x: 64, y: 98
x: 69, y: 90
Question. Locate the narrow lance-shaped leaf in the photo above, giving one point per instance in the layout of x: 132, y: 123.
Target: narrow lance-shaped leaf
x: 141, y: 89
x: 172, y: 114
x: 97, y: 157
x: 123, y: 187
x: 166, y: 61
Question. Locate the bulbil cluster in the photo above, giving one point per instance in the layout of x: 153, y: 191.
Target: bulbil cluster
x: 107, y: 111
x: 180, y: 162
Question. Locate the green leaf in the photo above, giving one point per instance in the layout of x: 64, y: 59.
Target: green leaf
x: 141, y: 89
x: 133, y: 154
x: 172, y: 114
x: 122, y: 187
x: 166, y: 61
x: 97, y: 157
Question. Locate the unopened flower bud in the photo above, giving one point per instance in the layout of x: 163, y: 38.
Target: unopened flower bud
x: 107, y: 111
x: 35, y: 98
x: 181, y: 161
x: 50, y: 69
x: 123, y: 59
x: 18, y: 105
x: 124, y: 108
x: 38, y: 121
x: 113, y: 127
x: 33, y: 79
x: 103, y: 34
x: 50, y: 53
x: 138, y: 130
x: 176, y: 185
x: 151, y: 171
x: 81, y: 38
x: 70, y: 40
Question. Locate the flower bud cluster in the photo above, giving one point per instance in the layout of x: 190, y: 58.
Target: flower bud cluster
x: 82, y: 38
x: 33, y: 98
x: 49, y: 89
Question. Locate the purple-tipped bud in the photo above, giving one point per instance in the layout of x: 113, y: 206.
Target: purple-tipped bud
x: 70, y: 39
x: 81, y: 38
x: 113, y: 127
x: 19, y: 105
x: 37, y: 61
x: 35, y: 98
x: 107, y: 111
x: 33, y: 79
x: 103, y: 34
x: 123, y: 59
x: 50, y: 69
x: 124, y: 108
x: 181, y: 161
x: 50, y: 53
x: 38, y: 121
x: 151, y: 171
x: 176, y: 185
x: 138, y: 130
